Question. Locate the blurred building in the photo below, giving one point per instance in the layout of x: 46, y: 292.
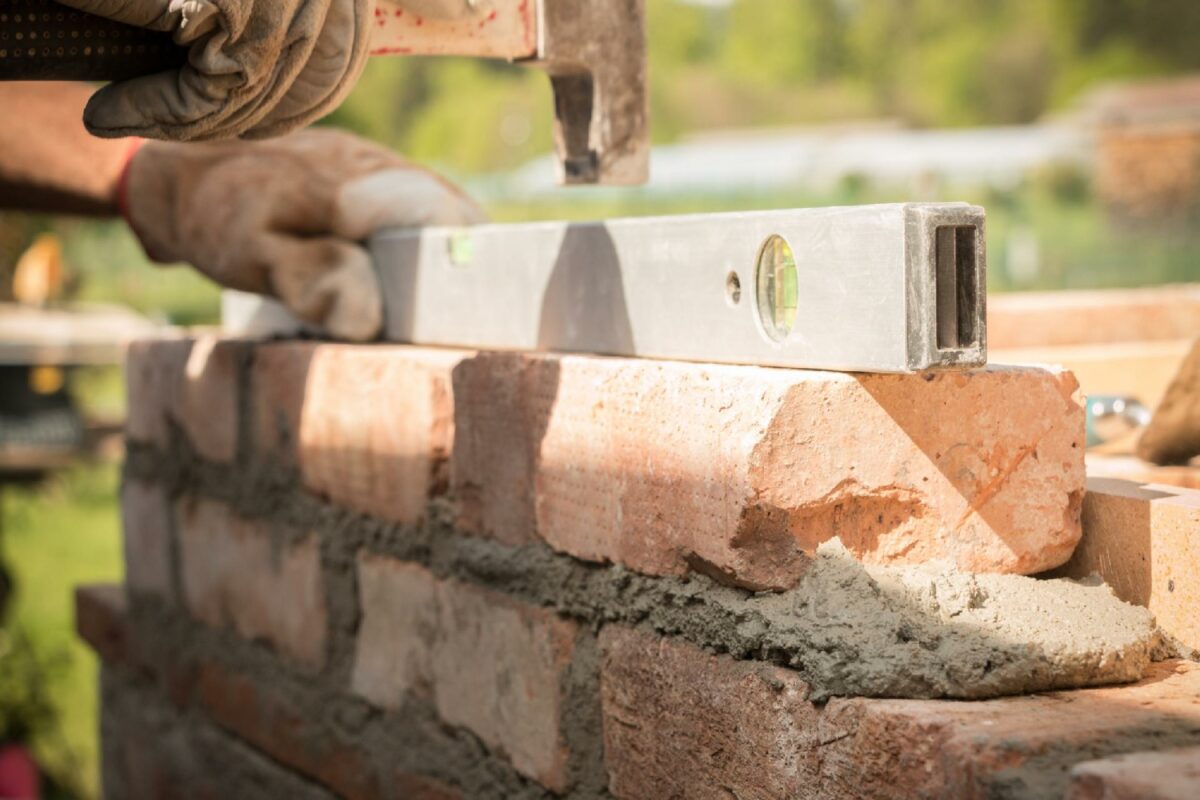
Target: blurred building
x: 1148, y: 147
x: 822, y: 157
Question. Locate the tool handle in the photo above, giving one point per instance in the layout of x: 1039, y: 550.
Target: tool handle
x: 41, y: 40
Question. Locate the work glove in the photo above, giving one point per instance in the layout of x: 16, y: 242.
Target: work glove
x: 256, y: 68
x: 285, y: 217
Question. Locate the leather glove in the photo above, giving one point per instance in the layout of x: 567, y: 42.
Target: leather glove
x: 284, y: 217
x: 256, y: 68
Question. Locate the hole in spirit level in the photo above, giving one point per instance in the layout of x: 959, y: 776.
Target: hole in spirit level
x: 956, y: 287
x: 777, y: 287
x: 733, y: 288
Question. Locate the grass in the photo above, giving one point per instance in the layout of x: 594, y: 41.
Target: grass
x: 57, y: 536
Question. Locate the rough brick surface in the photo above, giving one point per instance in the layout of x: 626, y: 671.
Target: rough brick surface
x: 239, y: 704
x: 681, y: 722
x: 371, y: 427
x: 1040, y: 319
x: 1168, y: 775
x: 152, y: 752
x: 489, y: 663
x: 192, y: 384
x: 1009, y: 747
x: 376, y: 428
x: 1144, y: 540
x: 146, y: 518
x: 417, y: 787
x: 100, y: 620
x: 278, y: 384
x: 234, y: 575
x: 741, y: 472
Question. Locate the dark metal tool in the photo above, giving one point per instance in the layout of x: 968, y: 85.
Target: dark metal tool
x: 594, y: 53
x: 41, y: 40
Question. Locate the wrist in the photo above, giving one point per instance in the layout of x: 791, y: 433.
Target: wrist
x: 121, y: 192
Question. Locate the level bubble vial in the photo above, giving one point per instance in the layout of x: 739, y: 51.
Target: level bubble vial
x: 777, y: 287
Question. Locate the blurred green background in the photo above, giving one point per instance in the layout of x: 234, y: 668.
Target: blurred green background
x: 749, y: 64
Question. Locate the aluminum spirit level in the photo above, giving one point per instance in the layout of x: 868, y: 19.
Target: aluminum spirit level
x: 883, y: 288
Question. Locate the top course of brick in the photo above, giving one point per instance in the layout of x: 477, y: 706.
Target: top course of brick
x: 665, y: 468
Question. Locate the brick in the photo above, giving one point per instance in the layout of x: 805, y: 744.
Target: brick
x: 152, y: 370
x: 1144, y: 541
x: 234, y: 575
x: 1008, y: 747
x: 681, y: 722
x: 1132, y: 468
x: 241, y: 705
x: 1168, y: 775
x: 278, y: 385
x: 418, y: 787
x: 741, y: 472
x: 191, y: 383
x: 372, y: 426
x: 101, y: 620
x: 488, y: 663
x: 1140, y: 369
x: 146, y: 517
x: 1043, y: 319
x: 152, y: 752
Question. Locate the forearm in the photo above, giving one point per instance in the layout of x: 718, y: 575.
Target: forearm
x: 48, y: 160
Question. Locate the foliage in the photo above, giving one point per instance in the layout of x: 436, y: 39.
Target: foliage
x: 59, y: 535
x: 26, y: 709
x: 765, y: 62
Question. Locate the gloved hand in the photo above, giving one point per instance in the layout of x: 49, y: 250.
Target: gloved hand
x: 284, y: 217
x: 257, y: 68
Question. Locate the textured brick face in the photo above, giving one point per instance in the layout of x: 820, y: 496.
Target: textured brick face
x: 741, y: 472
x: 1144, y: 541
x: 951, y: 749
x: 192, y: 384
x: 681, y: 722
x: 370, y: 427
x: 1170, y: 775
x: 146, y: 516
x: 376, y: 428
x: 490, y: 664
x: 235, y: 576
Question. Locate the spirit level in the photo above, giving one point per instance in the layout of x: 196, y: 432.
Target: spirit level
x: 883, y: 288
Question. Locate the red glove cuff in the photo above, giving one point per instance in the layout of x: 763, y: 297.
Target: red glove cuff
x: 135, y: 144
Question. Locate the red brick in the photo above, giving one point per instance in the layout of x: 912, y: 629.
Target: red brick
x: 235, y: 576
x: 146, y: 514
x: 953, y: 749
x: 154, y: 752
x: 376, y: 428
x: 240, y: 705
x: 101, y: 620
x: 487, y: 662
x: 371, y: 427
x: 1144, y: 541
x: 681, y: 722
x: 278, y: 385
x: 1039, y: 319
x: 152, y: 370
x: 742, y: 471
x: 417, y: 787
x: 193, y: 383
x: 1167, y: 775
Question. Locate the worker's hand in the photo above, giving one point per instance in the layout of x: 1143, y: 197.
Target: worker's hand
x: 285, y: 217
x: 256, y: 68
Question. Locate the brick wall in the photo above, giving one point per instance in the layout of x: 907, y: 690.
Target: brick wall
x: 389, y: 572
